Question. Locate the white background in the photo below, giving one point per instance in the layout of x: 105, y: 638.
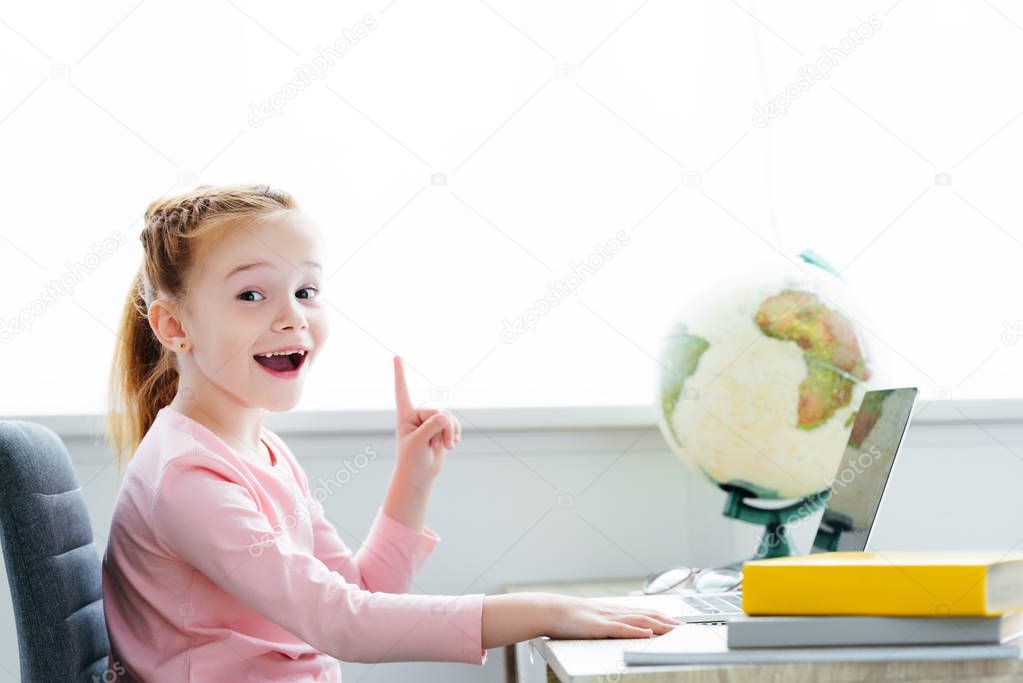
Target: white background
x: 555, y: 127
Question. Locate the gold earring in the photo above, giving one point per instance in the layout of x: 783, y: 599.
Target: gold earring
x: 182, y: 346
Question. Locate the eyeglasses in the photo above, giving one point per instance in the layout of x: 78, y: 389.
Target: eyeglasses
x: 708, y: 580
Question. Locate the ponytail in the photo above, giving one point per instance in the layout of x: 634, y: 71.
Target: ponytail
x: 144, y: 374
x: 143, y: 378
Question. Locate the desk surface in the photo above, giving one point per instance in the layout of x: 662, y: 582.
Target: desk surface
x: 600, y: 661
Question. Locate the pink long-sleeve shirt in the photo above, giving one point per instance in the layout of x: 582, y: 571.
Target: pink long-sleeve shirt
x: 218, y: 568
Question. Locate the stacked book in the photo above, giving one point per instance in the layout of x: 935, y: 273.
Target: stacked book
x: 862, y: 606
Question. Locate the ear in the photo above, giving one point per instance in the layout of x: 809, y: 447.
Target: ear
x: 165, y: 325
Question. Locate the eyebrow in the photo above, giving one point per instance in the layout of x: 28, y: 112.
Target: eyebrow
x: 263, y: 264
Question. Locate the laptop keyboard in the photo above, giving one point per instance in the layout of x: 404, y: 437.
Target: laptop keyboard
x: 715, y: 604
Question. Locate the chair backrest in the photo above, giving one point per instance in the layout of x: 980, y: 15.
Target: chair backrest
x: 53, y: 568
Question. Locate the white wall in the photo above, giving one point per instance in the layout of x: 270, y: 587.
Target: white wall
x: 634, y: 507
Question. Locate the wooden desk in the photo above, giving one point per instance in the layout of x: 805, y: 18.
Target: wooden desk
x: 600, y: 661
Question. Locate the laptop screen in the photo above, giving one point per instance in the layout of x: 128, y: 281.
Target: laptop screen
x: 864, y: 469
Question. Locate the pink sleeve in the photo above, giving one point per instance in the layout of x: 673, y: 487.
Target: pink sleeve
x: 387, y: 560
x: 215, y: 525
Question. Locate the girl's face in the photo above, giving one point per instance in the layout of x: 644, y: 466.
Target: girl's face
x: 256, y: 292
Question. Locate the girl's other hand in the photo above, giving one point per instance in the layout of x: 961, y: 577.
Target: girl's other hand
x: 513, y: 617
x: 592, y: 618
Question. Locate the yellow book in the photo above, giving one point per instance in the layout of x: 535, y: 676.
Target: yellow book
x: 888, y: 583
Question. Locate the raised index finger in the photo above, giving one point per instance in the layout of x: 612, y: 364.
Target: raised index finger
x: 402, y: 402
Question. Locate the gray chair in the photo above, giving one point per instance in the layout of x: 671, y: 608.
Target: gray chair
x: 52, y: 564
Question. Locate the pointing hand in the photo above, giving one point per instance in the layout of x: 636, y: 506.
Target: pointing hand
x: 424, y: 435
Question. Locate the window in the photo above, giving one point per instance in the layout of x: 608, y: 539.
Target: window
x: 467, y: 161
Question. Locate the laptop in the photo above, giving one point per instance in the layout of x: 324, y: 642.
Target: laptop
x: 854, y: 498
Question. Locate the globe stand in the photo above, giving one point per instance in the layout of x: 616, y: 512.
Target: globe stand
x: 775, y: 542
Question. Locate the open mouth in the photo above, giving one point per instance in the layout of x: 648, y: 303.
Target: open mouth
x: 282, y: 362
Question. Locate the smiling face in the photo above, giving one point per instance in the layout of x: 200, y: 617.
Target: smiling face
x: 251, y: 293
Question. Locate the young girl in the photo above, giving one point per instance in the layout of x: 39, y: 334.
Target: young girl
x: 220, y: 565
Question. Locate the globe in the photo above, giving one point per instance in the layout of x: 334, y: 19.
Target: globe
x: 762, y: 378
